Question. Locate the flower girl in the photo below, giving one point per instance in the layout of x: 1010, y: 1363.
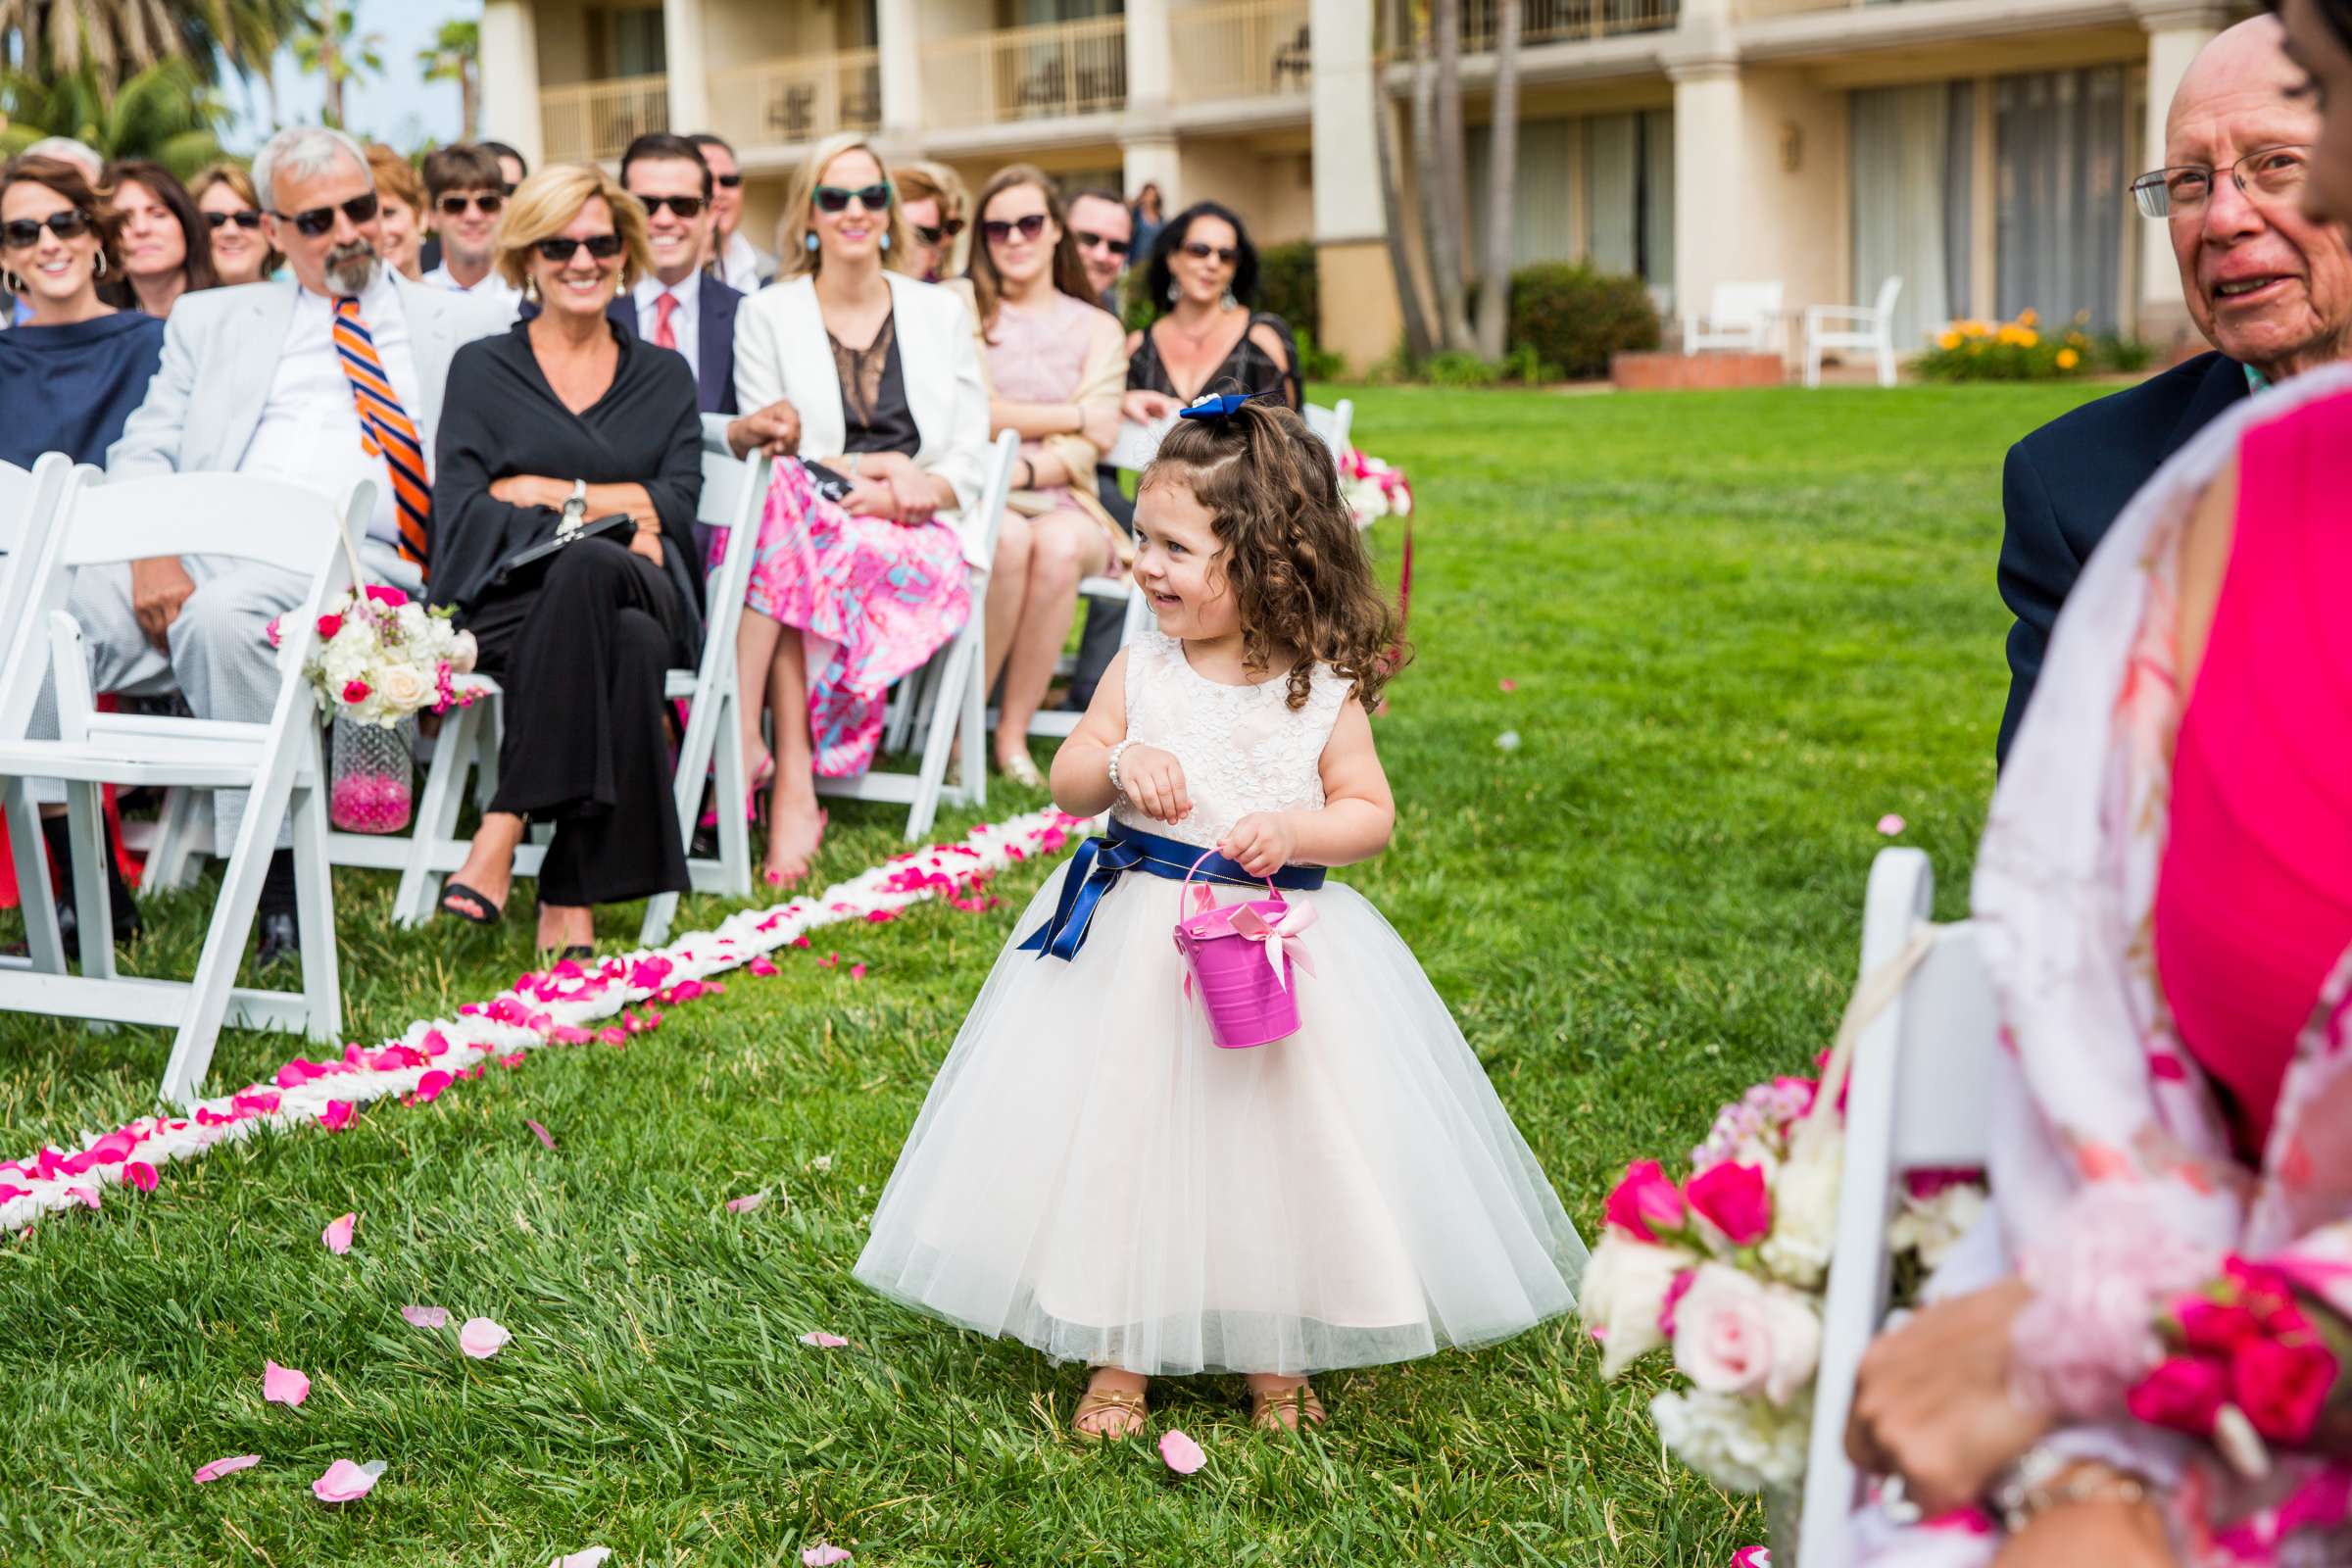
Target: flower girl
x: 1090, y: 1174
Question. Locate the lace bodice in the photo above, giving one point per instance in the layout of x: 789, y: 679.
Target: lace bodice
x: 1242, y: 749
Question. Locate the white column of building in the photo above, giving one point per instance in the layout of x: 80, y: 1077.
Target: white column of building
x: 689, y: 73
x: 898, y: 46
x: 2176, y: 30
x: 510, y: 66
x: 1713, y: 241
x: 1148, y: 153
x: 1360, y: 315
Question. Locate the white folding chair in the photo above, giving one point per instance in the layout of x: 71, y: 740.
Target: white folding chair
x: 277, y: 762
x: 1862, y: 328
x: 734, y: 491
x: 1334, y: 425
x: 1919, y: 1097
x: 1740, y: 316
x: 28, y: 501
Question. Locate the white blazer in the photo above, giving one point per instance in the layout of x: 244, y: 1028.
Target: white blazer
x: 781, y: 351
x: 220, y: 356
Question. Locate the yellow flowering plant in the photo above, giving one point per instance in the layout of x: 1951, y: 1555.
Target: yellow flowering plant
x: 2023, y: 349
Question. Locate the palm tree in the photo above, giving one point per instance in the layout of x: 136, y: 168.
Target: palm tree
x: 115, y: 40
x: 331, y: 46
x: 1502, y: 177
x: 456, y: 54
x: 165, y: 113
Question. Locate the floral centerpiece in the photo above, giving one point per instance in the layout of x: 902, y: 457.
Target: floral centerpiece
x: 1726, y: 1270
x: 1372, y: 489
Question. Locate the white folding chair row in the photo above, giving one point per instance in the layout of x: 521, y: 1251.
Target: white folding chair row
x: 1919, y: 1097
x: 277, y: 762
x: 734, y: 492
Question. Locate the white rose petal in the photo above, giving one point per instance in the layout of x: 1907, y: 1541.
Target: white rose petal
x: 1624, y: 1293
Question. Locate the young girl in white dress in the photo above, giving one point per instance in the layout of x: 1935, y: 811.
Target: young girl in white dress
x: 1090, y: 1174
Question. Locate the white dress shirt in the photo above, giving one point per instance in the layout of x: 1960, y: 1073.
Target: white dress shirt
x: 492, y: 285
x: 739, y: 264
x: 310, y: 433
x: 685, y: 323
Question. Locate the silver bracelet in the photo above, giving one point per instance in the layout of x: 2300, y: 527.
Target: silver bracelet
x: 1117, y: 751
x: 2039, y: 1481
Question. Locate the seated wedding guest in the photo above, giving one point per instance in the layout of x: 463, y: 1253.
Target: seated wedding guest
x: 566, y: 417
x: 166, y: 248
x: 2137, y: 1362
x: 1057, y: 366
x: 267, y: 380
x: 233, y: 213
x: 467, y: 192
x: 2271, y: 289
x: 675, y: 305
x: 81, y: 156
x: 932, y: 199
x: 512, y: 167
x: 1204, y: 272
x: 1104, y: 231
x: 741, y: 265
x: 890, y: 402
x: 401, y: 205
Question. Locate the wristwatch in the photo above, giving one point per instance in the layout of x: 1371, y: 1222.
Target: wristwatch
x: 575, y: 508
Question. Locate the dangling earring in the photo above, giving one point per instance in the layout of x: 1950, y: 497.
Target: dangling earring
x: 1229, y: 301
x: 100, y: 269
x: 886, y: 243
x: 1174, y: 293
x: 9, y: 284
x: 810, y: 241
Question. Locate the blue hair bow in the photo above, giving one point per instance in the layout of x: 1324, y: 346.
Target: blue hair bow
x: 1217, y: 408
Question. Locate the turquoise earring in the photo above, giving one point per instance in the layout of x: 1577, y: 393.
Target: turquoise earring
x: 811, y: 241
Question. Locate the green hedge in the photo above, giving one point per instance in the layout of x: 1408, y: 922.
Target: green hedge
x: 1570, y: 317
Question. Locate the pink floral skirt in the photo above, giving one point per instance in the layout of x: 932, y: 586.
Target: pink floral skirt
x: 872, y: 599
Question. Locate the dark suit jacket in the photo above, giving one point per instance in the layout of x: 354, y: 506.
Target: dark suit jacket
x: 2065, y: 484
x: 716, y: 367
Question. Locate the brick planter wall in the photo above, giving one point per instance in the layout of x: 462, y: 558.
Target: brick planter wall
x: 1669, y: 372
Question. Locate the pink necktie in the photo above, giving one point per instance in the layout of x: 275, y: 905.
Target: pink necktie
x: 665, y: 308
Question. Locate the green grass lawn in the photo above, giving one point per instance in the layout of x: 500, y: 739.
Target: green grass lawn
x: 1742, y: 626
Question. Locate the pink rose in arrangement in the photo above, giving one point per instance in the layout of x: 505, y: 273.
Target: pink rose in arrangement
x: 1733, y: 1198
x: 2265, y: 1293
x: 328, y: 625
x: 2281, y: 1387
x: 355, y: 692
x: 1623, y: 1300
x: 1736, y: 1335
x: 2215, y: 1328
x: 2184, y: 1393
x: 390, y: 598
x: 1643, y: 1199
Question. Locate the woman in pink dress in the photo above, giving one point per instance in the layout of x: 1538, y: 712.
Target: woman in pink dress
x: 1057, y: 367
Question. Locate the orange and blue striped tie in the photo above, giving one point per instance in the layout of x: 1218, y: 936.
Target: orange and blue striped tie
x: 385, y: 431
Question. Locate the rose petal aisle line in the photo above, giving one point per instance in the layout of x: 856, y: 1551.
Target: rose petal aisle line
x: 556, y: 1007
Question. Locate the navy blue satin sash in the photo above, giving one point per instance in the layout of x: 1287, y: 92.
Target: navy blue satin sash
x: 1101, y: 861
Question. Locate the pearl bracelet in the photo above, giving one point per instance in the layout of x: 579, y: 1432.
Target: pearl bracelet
x: 2043, y: 1479
x: 1117, y: 751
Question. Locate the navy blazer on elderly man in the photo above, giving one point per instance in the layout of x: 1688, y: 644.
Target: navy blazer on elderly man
x: 714, y: 324
x: 2066, y: 483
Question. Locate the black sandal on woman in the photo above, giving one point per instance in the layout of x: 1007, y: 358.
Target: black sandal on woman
x: 473, y: 916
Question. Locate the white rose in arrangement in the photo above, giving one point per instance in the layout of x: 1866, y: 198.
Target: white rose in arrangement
x: 1734, y: 1334
x: 463, y: 652
x: 401, y: 687
x: 1933, y: 1226
x: 1746, y: 1445
x: 1624, y: 1294
x: 1804, y: 1208
x: 412, y: 621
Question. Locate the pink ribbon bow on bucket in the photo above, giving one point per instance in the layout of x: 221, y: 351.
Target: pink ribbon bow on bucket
x: 1279, y: 936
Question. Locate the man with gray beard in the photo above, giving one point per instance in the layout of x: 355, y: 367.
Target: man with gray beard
x: 330, y: 376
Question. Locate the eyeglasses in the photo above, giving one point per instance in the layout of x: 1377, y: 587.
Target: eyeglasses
x: 998, y: 229
x: 560, y: 249
x: 837, y: 198
x: 686, y: 207
x: 1199, y: 251
x: 728, y: 180
x: 314, y: 221
x: 18, y: 233
x: 245, y: 220
x: 454, y: 206
x: 1101, y: 242
x: 2269, y: 172
x: 939, y: 234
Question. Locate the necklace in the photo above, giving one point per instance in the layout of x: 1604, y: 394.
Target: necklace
x: 1201, y: 338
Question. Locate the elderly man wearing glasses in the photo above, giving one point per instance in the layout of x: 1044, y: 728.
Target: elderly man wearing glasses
x: 2271, y: 289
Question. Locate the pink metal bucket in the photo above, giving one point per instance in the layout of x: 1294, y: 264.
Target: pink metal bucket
x: 1244, y: 960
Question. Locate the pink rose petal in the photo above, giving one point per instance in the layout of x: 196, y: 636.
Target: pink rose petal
x: 1891, y: 824
x: 226, y: 1467
x: 857, y: 972
x: 1181, y: 1453
x: 337, y: 1234
x: 1506, y: 684
x: 139, y: 1174
x: 823, y: 1341
x: 540, y: 1133
x: 585, y: 1557
x: 345, y: 1482
x: 746, y: 1204
x: 336, y: 1116
x: 482, y: 1338
x: 823, y: 1555
x: 283, y: 1384
x: 83, y: 1195
x: 426, y: 1317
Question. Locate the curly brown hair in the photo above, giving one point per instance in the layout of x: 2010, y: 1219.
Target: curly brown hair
x: 1291, y: 552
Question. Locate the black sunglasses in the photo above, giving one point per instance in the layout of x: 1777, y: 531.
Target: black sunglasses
x: 560, y: 249
x: 688, y: 207
x: 20, y: 232
x: 488, y: 200
x: 1086, y: 241
x: 1200, y: 252
x: 248, y: 219
x: 999, y: 229
x: 837, y: 198
x: 316, y: 220
x: 728, y: 180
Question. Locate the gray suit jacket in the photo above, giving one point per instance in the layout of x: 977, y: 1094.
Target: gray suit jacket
x: 220, y: 355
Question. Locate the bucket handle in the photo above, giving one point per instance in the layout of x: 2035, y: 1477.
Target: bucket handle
x: 1184, y: 893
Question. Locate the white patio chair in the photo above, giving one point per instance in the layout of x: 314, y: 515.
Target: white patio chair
x: 277, y: 762
x: 734, y: 490
x: 1919, y: 1097
x: 1740, y: 316
x: 1860, y: 328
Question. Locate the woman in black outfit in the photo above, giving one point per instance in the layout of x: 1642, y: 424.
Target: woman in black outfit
x: 1203, y: 277
x: 565, y: 414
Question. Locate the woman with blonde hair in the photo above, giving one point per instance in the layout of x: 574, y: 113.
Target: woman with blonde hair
x: 561, y: 421
x: 232, y: 211
x: 401, y: 206
x: 933, y: 201
x: 1058, y: 366
x: 863, y: 549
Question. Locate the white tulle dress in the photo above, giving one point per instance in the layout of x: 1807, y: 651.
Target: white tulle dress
x: 1092, y: 1176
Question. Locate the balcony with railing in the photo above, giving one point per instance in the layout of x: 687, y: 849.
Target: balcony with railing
x: 1542, y: 21
x: 1240, y: 49
x: 592, y: 120
x: 784, y: 102
x: 1056, y: 71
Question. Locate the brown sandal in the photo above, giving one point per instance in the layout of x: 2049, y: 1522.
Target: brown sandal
x: 1099, y: 1401
x: 1287, y: 1410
